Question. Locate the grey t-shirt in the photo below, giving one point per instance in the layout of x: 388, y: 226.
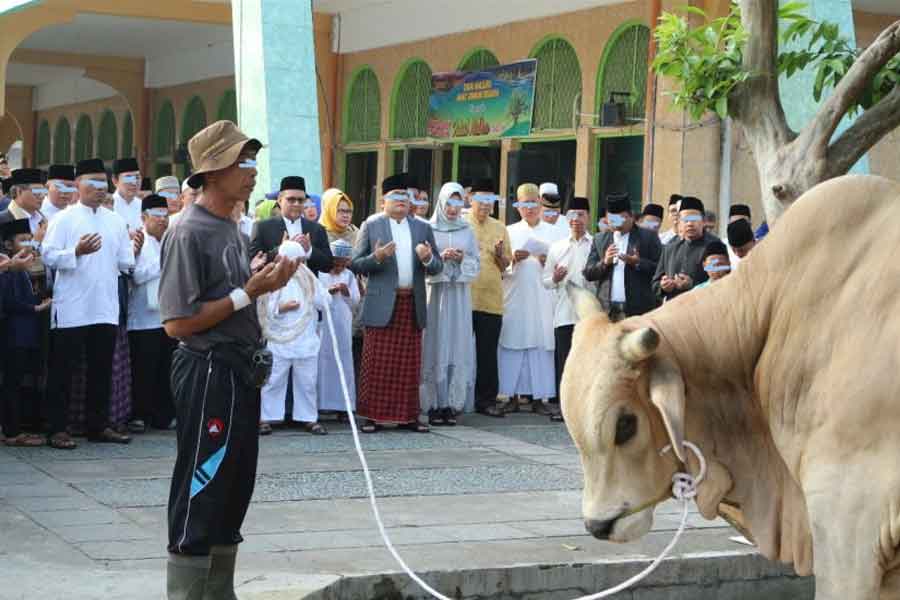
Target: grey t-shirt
x: 204, y: 258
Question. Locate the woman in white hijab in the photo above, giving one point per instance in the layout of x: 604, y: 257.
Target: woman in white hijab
x: 448, y: 361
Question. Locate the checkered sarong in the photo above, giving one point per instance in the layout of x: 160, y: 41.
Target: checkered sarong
x: 120, y: 388
x: 391, y: 367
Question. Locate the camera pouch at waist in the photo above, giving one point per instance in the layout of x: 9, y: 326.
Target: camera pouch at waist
x: 251, y: 366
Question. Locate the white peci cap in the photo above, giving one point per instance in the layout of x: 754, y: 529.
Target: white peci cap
x: 549, y: 189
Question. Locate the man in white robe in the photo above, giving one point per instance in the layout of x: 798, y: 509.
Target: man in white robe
x: 88, y: 247
x: 126, y: 203
x: 526, y: 353
x: 60, y: 190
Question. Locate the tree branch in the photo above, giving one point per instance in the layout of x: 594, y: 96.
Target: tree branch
x: 758, y: 104
x: 865, y: 132
x: 852, y: 86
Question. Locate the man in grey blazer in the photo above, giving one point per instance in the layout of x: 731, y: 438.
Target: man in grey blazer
x: 395, y: 251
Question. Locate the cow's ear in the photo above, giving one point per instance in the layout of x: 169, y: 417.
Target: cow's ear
x: 638, y: 345
x: 667, y: 394
x: 586, y: 304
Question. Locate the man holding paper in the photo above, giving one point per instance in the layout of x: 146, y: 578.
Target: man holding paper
x: 525, y: 357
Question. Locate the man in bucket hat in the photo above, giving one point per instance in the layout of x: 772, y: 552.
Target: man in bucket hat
x: 207, y: 300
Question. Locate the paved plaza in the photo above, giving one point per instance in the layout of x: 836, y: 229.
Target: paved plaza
x: 486, y: 494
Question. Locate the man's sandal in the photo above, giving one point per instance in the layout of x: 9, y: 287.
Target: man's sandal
x: 25, y: 440
x: 315, y: 428
x: 62, y: 441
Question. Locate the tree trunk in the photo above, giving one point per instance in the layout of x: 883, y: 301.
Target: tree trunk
x: 789, y: 164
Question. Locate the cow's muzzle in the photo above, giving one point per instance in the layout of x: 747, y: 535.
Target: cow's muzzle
x: 600, y: 529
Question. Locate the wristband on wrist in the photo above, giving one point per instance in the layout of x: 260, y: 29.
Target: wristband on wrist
x: 240, y: 299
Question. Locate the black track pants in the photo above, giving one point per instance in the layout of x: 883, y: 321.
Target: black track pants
x: 218, y: 444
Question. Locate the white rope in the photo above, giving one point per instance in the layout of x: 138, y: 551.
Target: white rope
x: 684, y: 489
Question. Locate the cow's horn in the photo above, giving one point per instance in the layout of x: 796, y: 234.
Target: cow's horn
x: 639, y: 345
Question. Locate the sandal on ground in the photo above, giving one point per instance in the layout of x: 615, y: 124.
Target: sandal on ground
x: 265, y: 429
x: 369, y: 427
x: 62, y: 441
x: 493, y: 411
x: 416, y: 427
x: 315, y: 428
x: 539, y: 408
x: 25, y: 440
x: 557, y: 418
x: 449, y: 417
x: 512, y: 406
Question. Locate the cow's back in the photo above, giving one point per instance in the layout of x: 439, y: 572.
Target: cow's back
x: 827, y: 284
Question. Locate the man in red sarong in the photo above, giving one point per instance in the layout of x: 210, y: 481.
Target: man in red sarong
x: 395, y: 251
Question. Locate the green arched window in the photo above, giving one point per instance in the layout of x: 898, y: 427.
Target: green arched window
x: 164, y: 146
x: 228, y: 107
x: 412, y: 91
x: 128, y: 135
x: 478, y: 59
x: 623, y: 69
x: 108, y: 137
x: 194, y: 119
x: 165, y: 131
x: 557, y: 85
x: 42, y: 153
x: 84, y: 138
x: 363, y: 111
x: 62, y: 142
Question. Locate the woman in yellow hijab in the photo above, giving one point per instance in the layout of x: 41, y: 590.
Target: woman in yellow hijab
x: 337, y: 214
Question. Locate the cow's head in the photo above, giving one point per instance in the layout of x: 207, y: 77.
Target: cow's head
x: 622, y: 403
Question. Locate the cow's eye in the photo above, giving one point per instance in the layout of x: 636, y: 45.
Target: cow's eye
x: 626, y: 428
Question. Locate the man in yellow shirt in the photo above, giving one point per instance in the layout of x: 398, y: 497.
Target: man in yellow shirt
x: 487, y: 294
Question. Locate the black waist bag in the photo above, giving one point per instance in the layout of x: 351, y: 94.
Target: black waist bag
x: 251, y: 365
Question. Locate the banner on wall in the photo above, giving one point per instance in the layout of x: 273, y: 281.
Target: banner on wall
x: 497, y: 101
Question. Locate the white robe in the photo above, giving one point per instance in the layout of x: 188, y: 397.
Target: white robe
x: 526, y: 353
x: 293, y: 339
x: 331, y: 393
x: 129, y: 211
x: 86, y: 288
x: 143, y: 304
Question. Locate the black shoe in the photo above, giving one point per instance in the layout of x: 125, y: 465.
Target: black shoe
x: 109, y: 436
x: 436, y: 418
x: 449, y: 417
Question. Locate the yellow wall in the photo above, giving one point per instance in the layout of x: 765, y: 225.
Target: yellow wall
x: 687, y: 158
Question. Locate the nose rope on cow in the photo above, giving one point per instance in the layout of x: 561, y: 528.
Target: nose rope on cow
x: 684, y: 489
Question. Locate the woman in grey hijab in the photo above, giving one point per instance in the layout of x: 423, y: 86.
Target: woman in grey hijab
x: 448, y: 360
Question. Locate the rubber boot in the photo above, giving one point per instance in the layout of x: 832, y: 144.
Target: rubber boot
x: 220, y: 584
x: 186, y: 577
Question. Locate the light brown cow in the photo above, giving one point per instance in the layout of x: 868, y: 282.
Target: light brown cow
x: 786, y: 374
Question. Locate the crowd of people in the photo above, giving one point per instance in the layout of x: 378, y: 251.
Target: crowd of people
x: 437, y: 311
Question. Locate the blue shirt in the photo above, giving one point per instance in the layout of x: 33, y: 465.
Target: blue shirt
x: 19, y: 300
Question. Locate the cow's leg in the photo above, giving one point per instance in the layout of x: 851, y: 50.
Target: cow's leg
x: 844, y: 519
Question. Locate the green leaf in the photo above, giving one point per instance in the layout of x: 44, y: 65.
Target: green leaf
x: 694, y: 11
x: 819, y: 84
x: 722, y: 107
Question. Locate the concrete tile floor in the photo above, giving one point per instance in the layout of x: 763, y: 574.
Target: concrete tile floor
x: 487, y: 493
